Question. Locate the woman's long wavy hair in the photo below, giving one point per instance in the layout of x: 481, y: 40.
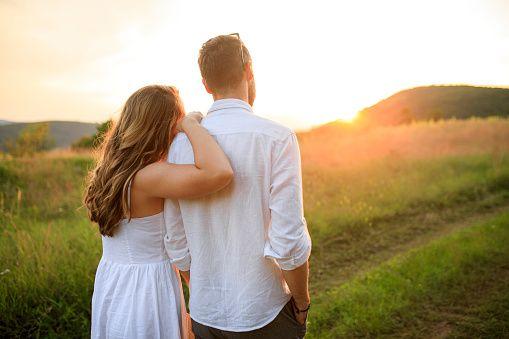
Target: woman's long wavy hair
x: 141, y: 136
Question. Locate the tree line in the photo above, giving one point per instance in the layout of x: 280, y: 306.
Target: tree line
x: 36, y: 138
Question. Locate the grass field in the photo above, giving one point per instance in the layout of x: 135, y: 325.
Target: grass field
x: 409, y: 226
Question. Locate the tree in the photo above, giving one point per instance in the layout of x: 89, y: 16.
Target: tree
x: 95, y: 139
x: 32, y: 139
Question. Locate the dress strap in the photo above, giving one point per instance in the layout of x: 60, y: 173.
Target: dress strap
x: 129, y: 198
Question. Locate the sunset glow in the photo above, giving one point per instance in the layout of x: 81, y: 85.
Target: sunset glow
x: 314, y: 61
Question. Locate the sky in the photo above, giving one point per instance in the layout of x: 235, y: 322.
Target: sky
x: 314, y: 61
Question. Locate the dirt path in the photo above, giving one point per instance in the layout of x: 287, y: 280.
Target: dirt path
x: 480, y: 311
x: 354, y: 253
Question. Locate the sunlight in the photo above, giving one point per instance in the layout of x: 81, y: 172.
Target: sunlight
x: 384, y: 123
x: 348, y: 117
x: 342, y: 60
x: 339, y: 79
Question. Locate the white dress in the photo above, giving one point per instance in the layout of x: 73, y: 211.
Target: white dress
x: 137, y: 292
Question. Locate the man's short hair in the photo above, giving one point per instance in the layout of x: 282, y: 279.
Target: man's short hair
x: 222, y: 62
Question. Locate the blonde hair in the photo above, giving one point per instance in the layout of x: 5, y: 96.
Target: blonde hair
x: 140, y: 137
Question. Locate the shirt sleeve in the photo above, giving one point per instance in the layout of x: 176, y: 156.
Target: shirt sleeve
x: 175, y: 241
x: 288, y: 240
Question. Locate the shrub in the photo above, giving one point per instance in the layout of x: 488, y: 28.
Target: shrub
x: 32, y: 139
x: 94, y: 140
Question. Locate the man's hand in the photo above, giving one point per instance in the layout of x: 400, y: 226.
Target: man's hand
x: 297, y: 281
x: 300, y: 309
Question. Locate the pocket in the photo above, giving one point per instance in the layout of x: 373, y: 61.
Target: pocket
x: 290, y: 312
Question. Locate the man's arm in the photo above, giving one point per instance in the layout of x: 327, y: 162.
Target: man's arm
x: 297, y: 281
x: 288, y: 237
x: 175, y: 241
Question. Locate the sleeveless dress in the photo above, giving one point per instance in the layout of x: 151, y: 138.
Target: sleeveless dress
x: 137, y: 292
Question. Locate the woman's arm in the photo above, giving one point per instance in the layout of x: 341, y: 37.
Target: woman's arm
x: 210, y: 173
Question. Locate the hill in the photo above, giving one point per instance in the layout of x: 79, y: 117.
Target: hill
x: 438, y: 102
x: 63, y: 132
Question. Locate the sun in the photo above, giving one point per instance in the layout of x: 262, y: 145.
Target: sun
x: 348, y: 116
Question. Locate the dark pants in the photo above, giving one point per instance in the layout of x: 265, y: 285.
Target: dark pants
x: 284, y: 326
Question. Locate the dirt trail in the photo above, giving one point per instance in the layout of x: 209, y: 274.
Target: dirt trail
x: 354, y: 253
x: 481, y: 311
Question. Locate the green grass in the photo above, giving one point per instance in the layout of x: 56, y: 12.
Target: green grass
x: 483, y: 320
x: 360, y: 217
x: 339, y: 200
x: 48, y: 286
x: 43, y: 188
x: 386, y: 298
x: 51, y: 250
x: 48, y: 249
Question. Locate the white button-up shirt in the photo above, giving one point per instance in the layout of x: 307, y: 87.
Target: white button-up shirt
x: 236, y: 242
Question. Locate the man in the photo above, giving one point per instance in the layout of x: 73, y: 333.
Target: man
x: 246, y: 248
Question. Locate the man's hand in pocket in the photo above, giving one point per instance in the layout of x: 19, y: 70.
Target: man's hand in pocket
x: 300, y: 310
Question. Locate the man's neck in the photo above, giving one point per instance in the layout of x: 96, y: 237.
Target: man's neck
x: 240, y: 94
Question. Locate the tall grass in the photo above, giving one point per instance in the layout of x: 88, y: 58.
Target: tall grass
x: 353, y: 178
x: 352, y: 181
x: 336, y: 146
x: 43, y: 187
x: 48, y: 250
x: 339, y: 199
x: 47, y: 277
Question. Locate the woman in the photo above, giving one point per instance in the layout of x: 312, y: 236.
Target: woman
x: 137, y: 293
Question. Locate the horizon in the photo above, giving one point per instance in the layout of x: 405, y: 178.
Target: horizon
x: 301, y: 129
x: 80, y: 61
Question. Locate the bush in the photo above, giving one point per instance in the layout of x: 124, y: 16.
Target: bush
x: 94, y: 140
x: 32, y: 139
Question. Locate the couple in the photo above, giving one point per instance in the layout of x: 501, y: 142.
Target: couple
x: 224, y: 211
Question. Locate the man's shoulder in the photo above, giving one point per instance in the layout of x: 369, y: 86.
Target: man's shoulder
x: 248, y: 123
x: 252, y: 124
x: 272, y: 128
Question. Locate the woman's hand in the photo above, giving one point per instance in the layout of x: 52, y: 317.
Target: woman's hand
x: 192, y: 117
x: 210, y: 172
x: 198, y: 116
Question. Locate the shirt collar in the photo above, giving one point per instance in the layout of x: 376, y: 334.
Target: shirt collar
x: 220, y: 105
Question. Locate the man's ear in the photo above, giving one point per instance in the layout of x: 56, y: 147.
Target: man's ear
x: 206, y: 86
x: 248, y: 68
